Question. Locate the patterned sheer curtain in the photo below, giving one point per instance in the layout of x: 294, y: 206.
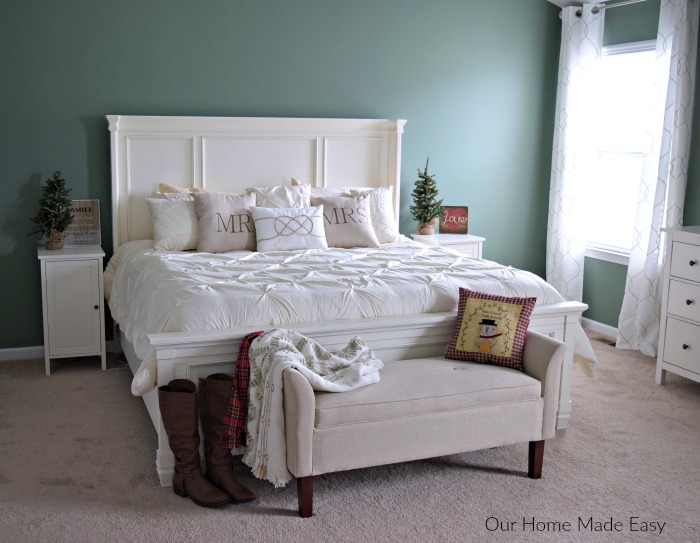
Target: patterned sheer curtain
x: 662, y: 192
x: 581, y: 47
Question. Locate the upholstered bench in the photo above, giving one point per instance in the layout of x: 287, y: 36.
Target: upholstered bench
x: 422, y: 408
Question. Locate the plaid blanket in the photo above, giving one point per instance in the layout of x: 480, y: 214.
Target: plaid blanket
x: 237, y: 411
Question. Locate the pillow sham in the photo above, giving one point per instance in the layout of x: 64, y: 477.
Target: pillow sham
x: 174, y: 223
x: 279, y: 196
x: 347, y: 221
x: 381, y: 206
x: 490, y: 328
x: 288, y: 229
x: 224, y: 222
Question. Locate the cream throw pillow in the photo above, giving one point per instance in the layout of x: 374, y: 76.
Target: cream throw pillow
x: 347, y: 221
x: 288, y: 229
x: 224, y: 222
x: 381, y: 207
x: 174, y: 223
x: 280, y: 196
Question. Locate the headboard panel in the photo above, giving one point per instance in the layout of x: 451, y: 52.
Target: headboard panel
x: 233, y: 153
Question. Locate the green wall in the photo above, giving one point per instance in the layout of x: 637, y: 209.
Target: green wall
x: 476, y: 81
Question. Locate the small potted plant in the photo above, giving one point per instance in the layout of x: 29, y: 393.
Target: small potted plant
x: 427, y: 208
x: 55, y: 212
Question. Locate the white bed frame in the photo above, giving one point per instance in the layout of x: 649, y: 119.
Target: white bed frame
x: 231, y: 154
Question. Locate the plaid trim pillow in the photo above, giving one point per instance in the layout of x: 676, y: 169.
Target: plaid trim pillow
x: 490, y: 329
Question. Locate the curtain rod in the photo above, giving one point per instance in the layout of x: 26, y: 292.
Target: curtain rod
x: 604, y: 6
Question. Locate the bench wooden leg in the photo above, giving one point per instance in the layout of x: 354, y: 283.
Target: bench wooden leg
x: 535, y: 457
x: 305, y: 493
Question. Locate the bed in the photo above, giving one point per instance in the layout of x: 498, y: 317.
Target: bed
x: 400, y: 297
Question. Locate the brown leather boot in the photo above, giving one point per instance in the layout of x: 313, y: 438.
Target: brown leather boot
x: 214, y: 392
x: 178, y: 409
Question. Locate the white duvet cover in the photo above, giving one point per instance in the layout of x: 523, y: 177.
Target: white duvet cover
x: 152, y: 292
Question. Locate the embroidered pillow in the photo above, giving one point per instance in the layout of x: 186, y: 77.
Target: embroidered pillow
x: 347, y: 221
x: 224, y: 222
x: 490, y: 328
x: 381, y: 206
x: 296, y: 196
x: 288, y: 229
x: 174, y: 223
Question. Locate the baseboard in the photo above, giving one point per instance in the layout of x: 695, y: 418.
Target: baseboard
x: 599, y: 328
x: 27, y: 353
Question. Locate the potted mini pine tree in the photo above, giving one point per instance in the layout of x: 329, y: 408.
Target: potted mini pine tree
x: 427, y: 208
x: 55, y: 211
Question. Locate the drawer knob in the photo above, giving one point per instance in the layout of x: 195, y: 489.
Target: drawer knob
x: 97, y: 306
x: 693, y: 262
x: 689, y: 302
x: 685, y: 346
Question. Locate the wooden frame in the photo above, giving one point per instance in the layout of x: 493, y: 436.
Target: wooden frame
x: 231, y: 154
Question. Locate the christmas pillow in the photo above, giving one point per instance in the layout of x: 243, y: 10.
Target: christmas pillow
x: 490, y: 328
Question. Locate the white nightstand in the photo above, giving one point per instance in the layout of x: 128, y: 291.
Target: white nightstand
x: 467, y: 244
x: 74, y: 317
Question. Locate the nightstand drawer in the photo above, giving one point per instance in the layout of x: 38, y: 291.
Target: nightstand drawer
x: 685, y: 261
x: 468, y: 249
x: 684, y: 300
x: 682, y: 346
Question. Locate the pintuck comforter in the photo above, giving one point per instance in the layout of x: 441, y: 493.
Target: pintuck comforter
x: 153, y: 292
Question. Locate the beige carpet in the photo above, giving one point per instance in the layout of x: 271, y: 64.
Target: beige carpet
x: 78, y: 465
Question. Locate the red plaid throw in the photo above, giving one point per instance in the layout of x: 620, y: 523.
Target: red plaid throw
x: 237, y: 411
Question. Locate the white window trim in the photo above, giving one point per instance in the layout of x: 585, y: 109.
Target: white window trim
x: 593, y: 251
x: 616, y: 257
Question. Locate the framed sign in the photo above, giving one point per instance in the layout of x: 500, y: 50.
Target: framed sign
x: 85, y: 228
x: 454, y: 220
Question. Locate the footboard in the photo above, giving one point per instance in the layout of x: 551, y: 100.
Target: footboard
x: 191, y: 355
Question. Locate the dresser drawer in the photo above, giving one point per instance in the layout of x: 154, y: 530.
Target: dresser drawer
x: 682, y: 346
x: 684, y: 300
x: 685, y: 261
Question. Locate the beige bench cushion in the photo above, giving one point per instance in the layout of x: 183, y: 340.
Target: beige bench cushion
x: 425, y: 385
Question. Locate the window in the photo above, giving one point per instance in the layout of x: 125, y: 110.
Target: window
x: 626, y: 90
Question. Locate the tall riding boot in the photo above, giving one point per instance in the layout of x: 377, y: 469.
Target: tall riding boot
x: 214, y: 393
x: 178, y: 409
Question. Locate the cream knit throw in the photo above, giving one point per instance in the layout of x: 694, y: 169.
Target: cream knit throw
x: 269, y: 354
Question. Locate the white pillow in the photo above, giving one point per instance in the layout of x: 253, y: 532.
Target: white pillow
x: 225, y: 223
x: 174, y: 223
x: 288, y: 229
x: 347, y: 221
x: 381, y: 208
x: 279, y: 196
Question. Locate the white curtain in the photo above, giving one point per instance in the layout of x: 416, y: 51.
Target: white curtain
x: 581, y: 47
x: 662, y: 192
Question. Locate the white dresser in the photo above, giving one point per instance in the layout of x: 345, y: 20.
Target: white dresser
x: 72, y: 294
x: 679, y: 334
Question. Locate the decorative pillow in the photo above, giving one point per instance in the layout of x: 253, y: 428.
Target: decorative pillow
x: 287, y: 229
x: 224, y: 222
x: 297, y: 196
x: 170, y: 189
x: 381, y: 207
x: 347, y: 221
x: 490, y: 328
x: 174, y: 223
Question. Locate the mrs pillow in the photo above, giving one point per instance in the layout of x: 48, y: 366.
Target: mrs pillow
x: 347, y: 221
x: 490, y: 328
x: 224, y: 222
x: 174, y: 223
x: 288, y: 229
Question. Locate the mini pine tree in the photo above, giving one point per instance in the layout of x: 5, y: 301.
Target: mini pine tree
x: 427, y: 207
x: 55, y: 212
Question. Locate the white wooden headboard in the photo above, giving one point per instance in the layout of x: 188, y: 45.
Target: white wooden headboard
x: 233, y: 153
